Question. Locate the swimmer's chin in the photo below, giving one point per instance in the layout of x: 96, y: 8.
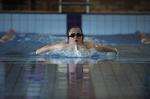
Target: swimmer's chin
x: 74, y: 44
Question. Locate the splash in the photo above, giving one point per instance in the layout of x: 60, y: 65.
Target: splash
x: 80, y: 52
x: 71, y: 51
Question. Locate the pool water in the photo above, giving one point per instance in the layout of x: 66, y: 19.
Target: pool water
x: 24, y: 75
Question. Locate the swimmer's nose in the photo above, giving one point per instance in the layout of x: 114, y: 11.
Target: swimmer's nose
x: 75, y: 39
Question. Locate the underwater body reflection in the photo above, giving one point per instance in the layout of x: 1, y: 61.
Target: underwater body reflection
x: 73, y: 76
x: 39, y: 77
x: 84, y: 78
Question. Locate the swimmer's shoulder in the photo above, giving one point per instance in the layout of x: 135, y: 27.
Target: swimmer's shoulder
x: 89, y: 44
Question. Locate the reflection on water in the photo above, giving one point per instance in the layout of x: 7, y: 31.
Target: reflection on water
x: 79, y: 79
x: 73, y: 78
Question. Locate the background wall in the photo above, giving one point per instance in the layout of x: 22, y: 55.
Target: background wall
x: 92, y: 24
x: 115, y: 24
x: 33, y: 23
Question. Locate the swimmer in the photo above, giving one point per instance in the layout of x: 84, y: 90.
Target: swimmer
x: 144, y: 40
x: 75, y: 38
x: 9, y: 35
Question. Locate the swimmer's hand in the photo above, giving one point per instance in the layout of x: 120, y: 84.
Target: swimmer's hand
x: 36, y: 52
x: 32, y: 53
x: 116, y: 51
x: 40, y: 50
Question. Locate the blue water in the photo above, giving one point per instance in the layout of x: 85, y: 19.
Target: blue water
x: 25, y: 75
x: 26, y: 44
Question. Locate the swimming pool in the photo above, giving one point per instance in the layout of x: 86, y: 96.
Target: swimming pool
x: 24, y: 75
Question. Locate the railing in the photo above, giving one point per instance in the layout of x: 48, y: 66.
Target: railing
x: 87, y: 6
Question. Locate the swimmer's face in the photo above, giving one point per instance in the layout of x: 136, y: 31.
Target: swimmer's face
x: 75, y: 36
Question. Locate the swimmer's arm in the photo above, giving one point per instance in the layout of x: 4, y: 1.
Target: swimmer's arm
x: 43, y: 49
x: 102, y: 48
x: 49, y: 48
x: 7, y: 37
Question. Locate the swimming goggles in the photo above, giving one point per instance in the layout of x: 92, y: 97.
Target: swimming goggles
x: 75, y: 34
